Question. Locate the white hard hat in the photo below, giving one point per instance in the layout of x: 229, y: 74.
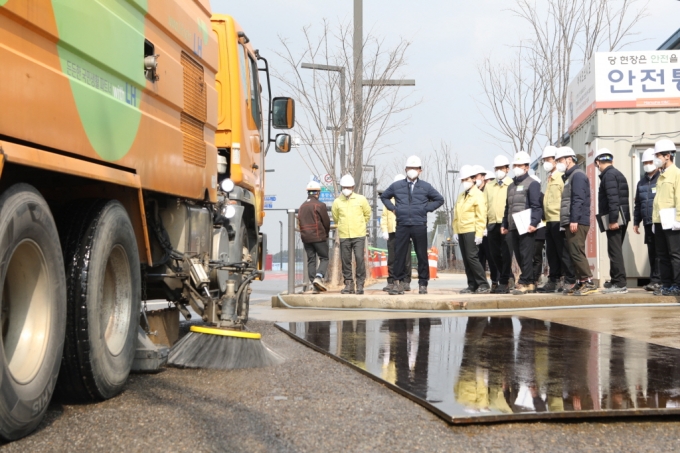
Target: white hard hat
x: 564, y: 151
x: 549, y: 151
x: 501, y: 161
x: 413, y: 161
x: 467, y: 171
x: 347, y: 181
x: 490, y: 175
x: 521, y: 158
x: 478, y: 169
x: 664, y: 146
x: 648, y: 155
x: 603, y: 152
x: 313, y: 185
x: 399, y: 178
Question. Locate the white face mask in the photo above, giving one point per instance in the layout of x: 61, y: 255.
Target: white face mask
x: 500, y: 174
x: 659, y: 163
x: 518, y: 171
x: 548, y: 166
x: 412, y: 174
x: 467, y: 185
x: 649, y: 168
x: 561, y: 167
x: 478, y: 182
x: 347, y: 192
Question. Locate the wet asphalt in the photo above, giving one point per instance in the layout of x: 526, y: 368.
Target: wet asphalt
x: 309, y: 403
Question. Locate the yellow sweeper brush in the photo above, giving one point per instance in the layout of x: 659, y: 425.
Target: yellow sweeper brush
x: 221, y: 349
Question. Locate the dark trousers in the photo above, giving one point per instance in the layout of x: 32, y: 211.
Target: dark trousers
x: 349, y: 247
x: 501, y: 252
x: 576, y: 246
x: 485, y: 257
x: 523, y: 248
x: 403, y: 236
x: 557, y: 253
x: 314, y: 250
x: 392, y: 257
x: 617, y: 268
x: 476, y: 276
x: 668, y: 254
x: 538, y: 258
x: 650, y: 241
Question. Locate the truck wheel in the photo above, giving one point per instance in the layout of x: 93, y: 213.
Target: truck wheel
x: 33, y: 313
x: 103, y: 280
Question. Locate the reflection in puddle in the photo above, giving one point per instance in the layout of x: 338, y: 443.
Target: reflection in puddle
x: 495, y: 368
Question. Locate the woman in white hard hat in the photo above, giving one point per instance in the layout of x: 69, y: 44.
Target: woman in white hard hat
x: 469, y: 222
x: 642, y: 213
x: 481, y: 178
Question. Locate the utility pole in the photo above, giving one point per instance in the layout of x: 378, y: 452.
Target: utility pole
x: 374, y: 183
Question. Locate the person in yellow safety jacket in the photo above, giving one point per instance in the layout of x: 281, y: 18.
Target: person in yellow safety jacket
x: 667, y: 239
x: 555, y: 241
x: 499, y: 244
x: 351, y: 212
x: 388, y: 227
x: 469, y: 222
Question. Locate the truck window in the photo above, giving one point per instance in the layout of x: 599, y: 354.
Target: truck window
x: 255, y: 94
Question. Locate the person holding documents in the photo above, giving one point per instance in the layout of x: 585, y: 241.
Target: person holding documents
x: 469, y: 222
x: 523, y: 213
x: 499, y: 244
x: 614, y: 215
x: 666, y: 218
x: 642, y: 212
x: 575, y: 219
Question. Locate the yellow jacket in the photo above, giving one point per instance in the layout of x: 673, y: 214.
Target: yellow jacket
x: 351, y: 215
x: 388, y: 221
x: 553, y: 197
x: 496, y: 198
x: 470, y: 213
x: 667, y: 193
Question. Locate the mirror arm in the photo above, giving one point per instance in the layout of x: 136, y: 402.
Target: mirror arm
x: 269, y: 90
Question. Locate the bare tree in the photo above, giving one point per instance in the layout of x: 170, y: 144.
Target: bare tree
x: 439, y: 166
x: 322, y: 98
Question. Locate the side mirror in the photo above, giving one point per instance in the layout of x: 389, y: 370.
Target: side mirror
x: 282, y: 143
x: 283, y: 113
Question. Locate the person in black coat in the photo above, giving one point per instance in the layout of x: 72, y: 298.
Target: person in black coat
x: 414, y: 199
x: 613, y: 198
x: 642, y: 212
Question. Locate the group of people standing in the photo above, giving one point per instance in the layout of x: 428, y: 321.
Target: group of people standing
x: 516, y: 218
x: 497, y: 216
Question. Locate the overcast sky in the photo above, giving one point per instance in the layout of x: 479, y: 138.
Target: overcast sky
x: 449, y: 38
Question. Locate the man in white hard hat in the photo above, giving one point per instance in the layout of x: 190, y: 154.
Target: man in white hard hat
x: 499, y: 244
x: 414, y: 199
x: 314, y: 225
x: 388, y: 226
x: 613, y: 201
x: 469, y: 222
x: 523, y: 193
x: 559, y: 260
x: 575, y: 219
x: 484, y: 249
x: 642, y: 213
x: 351, y: 213
x: 667, y: 199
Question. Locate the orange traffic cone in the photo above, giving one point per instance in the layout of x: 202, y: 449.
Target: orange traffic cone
x: 433, y: 261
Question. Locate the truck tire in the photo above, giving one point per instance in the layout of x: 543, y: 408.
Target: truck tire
x: 33, y: 309
x: 103, y: 280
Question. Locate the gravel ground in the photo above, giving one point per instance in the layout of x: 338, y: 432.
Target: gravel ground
x: 310, y: 403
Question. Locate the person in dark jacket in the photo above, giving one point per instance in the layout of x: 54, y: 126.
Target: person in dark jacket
x: 613, y: 199
x: 524, y: 193
x: 414, y: 199
x: 539, y: 245
x: 642, y: 212
x: 314, y: 225
x: 575, y: 219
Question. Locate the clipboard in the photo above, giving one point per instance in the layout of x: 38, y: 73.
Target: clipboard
x: 603, y: 221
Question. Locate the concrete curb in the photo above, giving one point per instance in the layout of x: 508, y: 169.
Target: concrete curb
x: 454, y: 301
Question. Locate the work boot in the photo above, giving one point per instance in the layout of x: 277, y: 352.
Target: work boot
x: 360, y: 288
x: 483, y: 290
x: 502, y: 289
x: 586, y: 288
x: 615, y: 289
x: 549, y: 287
x: 494, y: 287
x: 422, y: 289
x: 406, y: 286
x: 468, y: 290
x: 652, y: 287
x: 397, y: 289
x: 388, y: 287
x: 349, y: 287
x: 318, y: 284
